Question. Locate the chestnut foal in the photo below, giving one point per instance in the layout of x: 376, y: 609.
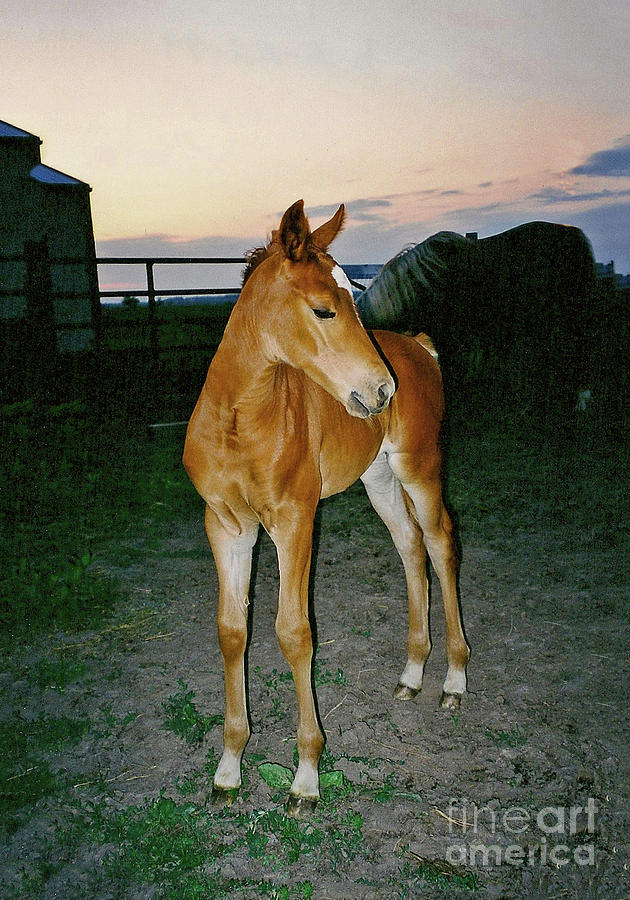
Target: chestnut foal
x: 299, y: 402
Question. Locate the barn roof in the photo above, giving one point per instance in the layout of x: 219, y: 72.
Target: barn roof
x: 11, y: 131
x: 39, y: 172
x: 46, y: 175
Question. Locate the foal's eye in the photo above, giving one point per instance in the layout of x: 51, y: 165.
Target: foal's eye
x: 325, y: 313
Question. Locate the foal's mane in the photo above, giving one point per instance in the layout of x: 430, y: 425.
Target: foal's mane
x: 255, y: 257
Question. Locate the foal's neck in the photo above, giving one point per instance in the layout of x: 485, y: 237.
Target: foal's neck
x: 244, y: 375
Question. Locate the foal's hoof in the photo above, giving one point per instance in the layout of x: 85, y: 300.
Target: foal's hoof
x: 450, y: 701
x: 299, y: 807
x: 404, y: 692
x: 223, y: 796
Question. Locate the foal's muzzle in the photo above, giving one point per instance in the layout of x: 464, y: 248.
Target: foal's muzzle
x: 363, y: 405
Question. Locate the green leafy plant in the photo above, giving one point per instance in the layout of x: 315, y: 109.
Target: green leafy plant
x: 25, y: 776
x: 512, y: 738
x: 325, y: 676
x: 437, y: 872
x: 184, y: 719
x: 114, y: 722
x: 162, y: 843
x: 58, y: 673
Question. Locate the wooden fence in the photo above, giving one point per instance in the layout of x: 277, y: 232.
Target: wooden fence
x: 149, y: 361
x: 152, y: 292
x: 59, y: 337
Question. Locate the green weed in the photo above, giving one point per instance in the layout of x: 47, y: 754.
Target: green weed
x: 276, y: 677
x: 161, y: 843
x: 24, y: 776
x: 113, y: 722
x: 291, y: 838
x: 512, y: 738
x: 273, y: 682
x: 324, y: 676
x: 69, y: 473
x: 212, y: 761
x: 188, y: 785
x: 436, y: 872
x: 179, y: 847
x: 184, y: 719
x: 365, y: 632
x: 57, y: 674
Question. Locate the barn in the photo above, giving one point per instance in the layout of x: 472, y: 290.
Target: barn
x: 49, y: 302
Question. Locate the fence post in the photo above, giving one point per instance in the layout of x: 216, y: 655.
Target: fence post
x: 153, y: 330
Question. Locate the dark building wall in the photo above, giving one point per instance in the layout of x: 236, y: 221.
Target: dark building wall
x: 38, y: 204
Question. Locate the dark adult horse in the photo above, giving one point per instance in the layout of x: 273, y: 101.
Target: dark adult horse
x: 520, y: 302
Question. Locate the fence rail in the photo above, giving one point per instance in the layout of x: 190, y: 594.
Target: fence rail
x: 41, y: 260
x: 155, y: 371
x: 364, y: 272
x: 149, y: 263
x: 353, y: 271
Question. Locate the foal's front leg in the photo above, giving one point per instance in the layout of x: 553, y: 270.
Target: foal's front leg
x: 293, y: 540
x: 233, y: 558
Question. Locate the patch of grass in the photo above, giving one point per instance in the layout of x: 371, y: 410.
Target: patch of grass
x: 188, y: 784
x: 512, y: 738
x: 505, y: 478
x: 280, y: 840
x: 125, y: 327
x: 114, y: 722
x: 53, y: 591
x: 19, y: 736
x: 25, y: 778
x: 24, y: 789
x: 290, y: 838
x: 57, y: 674
x: 180, y: 847
x: 69, y: 473
x: 212, y: 761
x: 324, y: 676
x: 437, y: 872
x: 184, y: 719
x: 160, y: 843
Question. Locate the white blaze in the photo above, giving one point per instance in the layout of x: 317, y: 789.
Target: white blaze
x: 342, y: 280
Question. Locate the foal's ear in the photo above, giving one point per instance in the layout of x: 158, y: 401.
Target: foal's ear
x: 324, y: 235
x: 294, y: 232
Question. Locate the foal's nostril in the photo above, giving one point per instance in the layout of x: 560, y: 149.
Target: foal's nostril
x: 384, y: 394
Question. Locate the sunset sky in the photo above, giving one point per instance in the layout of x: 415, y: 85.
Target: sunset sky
x: 197, y: 122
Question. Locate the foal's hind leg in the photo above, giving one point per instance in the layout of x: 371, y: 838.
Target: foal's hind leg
x: 387, y: 497
x: 425, y: 490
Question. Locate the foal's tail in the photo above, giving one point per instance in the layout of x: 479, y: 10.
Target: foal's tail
x: 425, y: 341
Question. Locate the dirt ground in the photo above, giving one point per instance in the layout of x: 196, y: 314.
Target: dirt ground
x: 537, y: 757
